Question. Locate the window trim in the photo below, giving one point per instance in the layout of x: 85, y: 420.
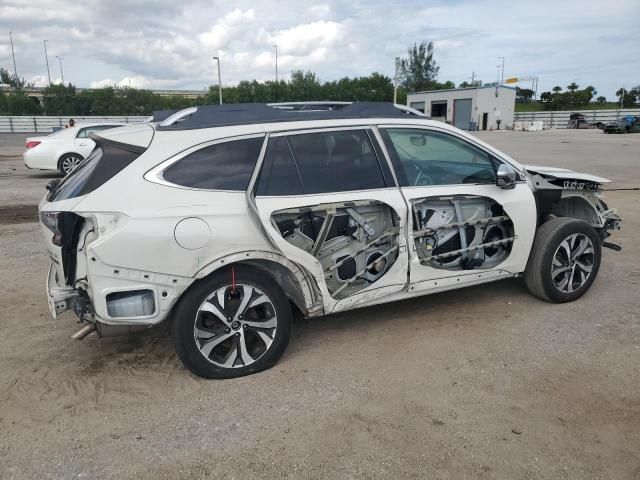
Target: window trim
x: 387, y: 173
x: 398, y: 170
x: 156, y: 174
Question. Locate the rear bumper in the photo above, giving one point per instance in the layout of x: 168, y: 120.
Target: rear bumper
x: 35, y: 160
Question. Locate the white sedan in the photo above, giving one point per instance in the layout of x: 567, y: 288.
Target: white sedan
x: 63, y: 150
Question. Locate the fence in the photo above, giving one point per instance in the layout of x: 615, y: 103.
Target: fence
x: 23, y: 124
x: 559, y: 119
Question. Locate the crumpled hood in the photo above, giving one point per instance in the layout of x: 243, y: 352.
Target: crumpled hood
x: 563, y: 173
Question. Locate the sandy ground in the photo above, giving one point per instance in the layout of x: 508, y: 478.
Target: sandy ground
x: 482, y: 383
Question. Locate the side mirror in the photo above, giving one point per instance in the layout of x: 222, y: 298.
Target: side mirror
x: 506, y: 176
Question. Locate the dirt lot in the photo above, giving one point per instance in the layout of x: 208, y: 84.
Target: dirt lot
x: 482, y: 383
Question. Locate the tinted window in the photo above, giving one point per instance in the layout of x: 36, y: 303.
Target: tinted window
x: 336, y: 161
x: 101, y: 165
x: 279, y: 174
x: 424, y: 157
x: 224, y: 166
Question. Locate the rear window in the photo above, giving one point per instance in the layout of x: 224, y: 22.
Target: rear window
x: 223, y: 166
x: 105, y: 161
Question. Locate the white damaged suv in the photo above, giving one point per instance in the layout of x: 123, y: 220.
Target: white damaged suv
x: 225, y: 218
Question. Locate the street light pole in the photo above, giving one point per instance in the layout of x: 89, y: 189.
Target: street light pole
x: 61, y: 74
x: 219, y: 80
x: 15, y: 70
x: 46, y: 57
x: 502, y: 75
x: 276, y: 47
x: 395, y: 82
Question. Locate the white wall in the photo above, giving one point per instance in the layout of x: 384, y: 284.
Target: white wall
x: 482, y: 100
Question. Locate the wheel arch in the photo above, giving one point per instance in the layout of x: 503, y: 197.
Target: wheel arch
x: 65, y: 153
x: 297, y: 283
x: 578, y: 207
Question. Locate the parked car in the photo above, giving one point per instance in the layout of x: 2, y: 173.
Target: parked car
x: 627, y: 124
x: 225, y: 218
x: 578, y: 120
x: 64, y: 149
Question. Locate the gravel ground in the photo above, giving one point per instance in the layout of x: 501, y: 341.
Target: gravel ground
x: 481, y: 383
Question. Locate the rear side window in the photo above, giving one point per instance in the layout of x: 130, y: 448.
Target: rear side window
x: 279, y: 174
x: 223, y: 166
x: 323, y: 162
x: 102, y: 164
x: 85, y: 132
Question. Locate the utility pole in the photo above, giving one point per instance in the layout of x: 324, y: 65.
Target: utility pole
x: 15, y: 70
x: 61, y: 74
x: 219, y: 81
x: 473, y: 79
x: 395, y: 82
x: 47, y: 60
x: 502, y: 75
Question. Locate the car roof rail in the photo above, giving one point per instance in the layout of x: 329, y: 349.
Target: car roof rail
x: 211, y: 116
x: 179, y: 116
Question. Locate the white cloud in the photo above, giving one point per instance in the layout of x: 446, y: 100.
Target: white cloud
x: 321, y: 10
x: 225, y: 29
x: 303, y: 39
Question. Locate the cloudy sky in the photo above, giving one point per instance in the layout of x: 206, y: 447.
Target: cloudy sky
x: 169, y: 43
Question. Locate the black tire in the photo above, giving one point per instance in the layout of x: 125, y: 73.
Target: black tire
x: 65, y: 159
x: 186, y: 317
x: 549, y: 237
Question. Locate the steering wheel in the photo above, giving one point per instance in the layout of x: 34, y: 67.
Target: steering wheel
x: 422, y: 179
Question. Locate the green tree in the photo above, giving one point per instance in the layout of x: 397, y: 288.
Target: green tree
x: 18, y: 104
x: 601, y: 100
x: 60, y: 99
x: 572, y: 87
x: 556, y: 89
x: 524, y: 95
x: 627, y: 97
x: 11, y: 79
x: 419, y: 70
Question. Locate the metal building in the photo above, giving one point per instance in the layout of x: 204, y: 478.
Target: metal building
x: 473, y: 108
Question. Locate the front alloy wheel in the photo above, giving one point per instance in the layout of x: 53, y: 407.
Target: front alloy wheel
x: 564, y: 260
x: 572, y: 263
x: 232, y: 323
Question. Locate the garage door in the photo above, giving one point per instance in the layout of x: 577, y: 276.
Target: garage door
x: 462, y: 113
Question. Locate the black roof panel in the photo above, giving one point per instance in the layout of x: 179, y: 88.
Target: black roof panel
x: 209, y: 116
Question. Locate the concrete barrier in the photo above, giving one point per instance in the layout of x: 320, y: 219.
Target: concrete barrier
x: 48, y: 124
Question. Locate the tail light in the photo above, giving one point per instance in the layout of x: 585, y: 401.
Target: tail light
x: 33, y: 143
x: 50, y: 220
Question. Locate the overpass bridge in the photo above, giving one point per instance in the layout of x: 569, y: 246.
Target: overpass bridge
x: 38, y: 92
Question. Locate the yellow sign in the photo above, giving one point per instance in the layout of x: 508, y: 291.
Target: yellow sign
x: 511, y: 80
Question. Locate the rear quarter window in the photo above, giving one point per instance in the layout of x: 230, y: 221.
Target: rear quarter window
x: 223, y: 166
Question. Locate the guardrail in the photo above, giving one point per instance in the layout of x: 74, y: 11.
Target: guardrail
x: 24, y: 124
x: 560, y: 119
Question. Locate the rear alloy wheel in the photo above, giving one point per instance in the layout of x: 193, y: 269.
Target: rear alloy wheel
x: 234, y: 323
x: 564, y: 260
x: 69, y: 162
